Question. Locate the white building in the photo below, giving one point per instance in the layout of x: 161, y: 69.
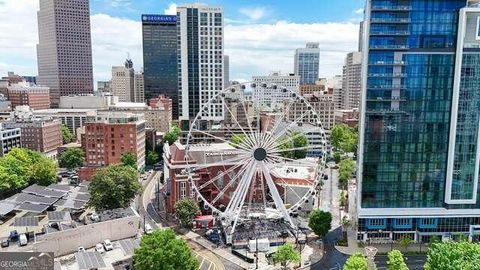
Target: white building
x: 270, y: 95
x: 201, y: 70
x: 139, y: 87
x: 335, y: 83
x: 352, y: 78
x: 123, y: 85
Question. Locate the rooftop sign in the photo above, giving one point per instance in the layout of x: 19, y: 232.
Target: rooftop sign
x: 169, y: 19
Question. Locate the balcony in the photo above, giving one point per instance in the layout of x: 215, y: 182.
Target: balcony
x: 389, y: 63
x: 390, y: 20
x: 387, y: 99
x: 390, y: 33
x: 389, y: 47
x: 385, y: 111
x: 391, y: 8
x: 386, y: 87
x: 387, y: 75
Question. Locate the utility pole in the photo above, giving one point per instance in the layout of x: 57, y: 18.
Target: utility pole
x: 256, y: 252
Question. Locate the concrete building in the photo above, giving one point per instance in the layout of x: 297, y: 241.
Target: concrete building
x: 9, y: 138
x: 87, y: 102
x: 322, y: 104
x: 419, y: 140
x: 351, y: 81
x: 200, y: 61
x: 307, y: 62
x: 39, y: 134
x: 272, y: 96
x: 123, y: 82
x: 35, y: 97
x: 64, y: 51
x: 347, y: 117
x: 73, y: 119
x: 139, y: 87
x: 335, y: 85
x: 310, y: 89
x: 108, y: 136
x: 160, y: 61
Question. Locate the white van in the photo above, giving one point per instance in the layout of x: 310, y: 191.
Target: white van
x: 23, y: 239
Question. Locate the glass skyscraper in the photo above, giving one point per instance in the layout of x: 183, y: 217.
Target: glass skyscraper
x: 306, y: 63
x: 419, y: 147
x: 160, y: 58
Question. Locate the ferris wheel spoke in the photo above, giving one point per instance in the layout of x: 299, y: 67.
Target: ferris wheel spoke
x: 222, y: 174
x: 221, y: 139
x: 296, y: 161
x: 229, y: 185
x: 237, y: 210
x: 282, y: 132
x: 248, y: 118
x: 277, y: 143
x: 234, y: 200
x: 311, y: 147
x: 275, y: 195
x: 247, y: 138
x: 231, y: 161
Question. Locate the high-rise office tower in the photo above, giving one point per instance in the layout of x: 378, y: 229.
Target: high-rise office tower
x: 160, y: 58
x: 200, y: 30
x: 64, y: 51
x: 419, y: 148
x: 351, y: 82
x: 123, y: 84
x: 306, y: 63
x: 139, y: 87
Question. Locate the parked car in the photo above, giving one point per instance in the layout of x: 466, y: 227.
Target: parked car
x: 23, y: 239
x: 13, y: 236
x: 108, y: 245
x: 81, y: 249
x: 5, y: 243
x: 148, y: 228
x: 99, y: 248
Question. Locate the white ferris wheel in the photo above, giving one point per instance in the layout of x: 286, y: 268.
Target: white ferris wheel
x: 264, y: 158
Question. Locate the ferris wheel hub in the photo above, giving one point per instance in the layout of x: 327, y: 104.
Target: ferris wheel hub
x: 260, y: 154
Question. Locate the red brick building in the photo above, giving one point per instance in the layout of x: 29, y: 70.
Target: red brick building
x: 38, y: 98
x: 109, y: 136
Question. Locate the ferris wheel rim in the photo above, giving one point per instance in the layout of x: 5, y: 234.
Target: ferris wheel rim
x: 317, y: 175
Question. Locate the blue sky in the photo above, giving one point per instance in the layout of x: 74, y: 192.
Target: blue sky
x: 260, y: 36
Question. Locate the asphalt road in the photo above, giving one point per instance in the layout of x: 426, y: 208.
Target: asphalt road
x: 414, y: 262
x: 332, y: 259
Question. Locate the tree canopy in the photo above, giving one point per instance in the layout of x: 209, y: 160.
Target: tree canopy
x: 162, y: 250
x: 152, y: 158
x: 344, y: 138
x: 356, y: 262
x: 185, y: 211
x: 113, y: 187
x: 129, y: 159
x: 346, y: 167
x: 320, y: 222
x: 237, y: 140
x: 172, y: 135
x: 72, y: 158
x: 286, y: 254
x: 294, y: 140
x: 67, y: 135
x: 396, y: 261
x: 453, y: 256
x: 22, y: 167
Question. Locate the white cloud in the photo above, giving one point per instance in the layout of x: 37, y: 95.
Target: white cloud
x: 118, y: 3
x: 359, y: 11
x: 171, y: 10
x: 254, y: 14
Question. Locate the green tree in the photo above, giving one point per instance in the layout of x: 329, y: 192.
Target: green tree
x: 343, y: 138
x: 452, y: 255
x: 72, y: 158
x: 320, y: 222
x: 129, y: 159
x: 294, y: 140
x: 67, y: 135
x: 434, y: 239
x: 152, y: 158
x: 346, y: 223
x: 113, y: 187
x: 286, y: 254
x: 343, y: 198
x: 163, y: 250
x: 405, y: 241
x: 44, y: 172
x: 237, y: 140
x: 172, y: 135
x: 396, y: 261
x: 337, y: 157
x: 356, y: 262
x: 186, y: 210
x: 345, y: 171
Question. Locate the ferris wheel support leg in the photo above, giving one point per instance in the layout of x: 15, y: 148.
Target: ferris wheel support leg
x: 244, y: 195
x: 276, y: 196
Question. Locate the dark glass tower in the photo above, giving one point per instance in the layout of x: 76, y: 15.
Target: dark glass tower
x: 160, y: 58
x: 419, y: 130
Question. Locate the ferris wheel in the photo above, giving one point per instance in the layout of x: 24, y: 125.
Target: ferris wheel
x: 264, y: 157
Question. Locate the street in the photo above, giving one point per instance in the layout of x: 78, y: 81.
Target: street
x: 414, y: 262
x: 329, y: 197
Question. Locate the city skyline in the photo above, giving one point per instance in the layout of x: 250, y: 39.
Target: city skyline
x: 337, y: 34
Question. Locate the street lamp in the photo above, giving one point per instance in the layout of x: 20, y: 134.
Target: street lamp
x: 371, y: 252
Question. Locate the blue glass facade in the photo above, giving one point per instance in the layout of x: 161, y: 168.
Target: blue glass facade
x: 307, y: 61
x: 421, y: 118
x: 160, y: 58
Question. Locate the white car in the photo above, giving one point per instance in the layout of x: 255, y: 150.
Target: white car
x: 95, y: 217
x: 23, y: 239
x: 108, y: 245
x: 81, y: 249
x: 99, y: 248
x: 148, y: 229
